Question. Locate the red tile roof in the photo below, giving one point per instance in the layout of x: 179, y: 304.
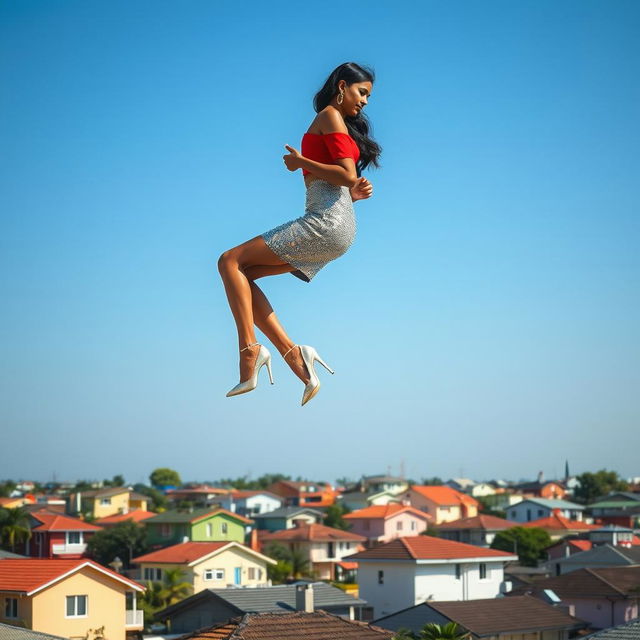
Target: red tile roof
x: 311, y: 533
x: 386, y: 511
x: 444, y: 495
x: 32, y: 574
x: 478, y: 522
x: 182, y: 553
x: 583, y: 545
x: 58, y: 522
x: 428, y: 548
x: 318, y: 625
x: 137, y: 515
x: 556, y: 522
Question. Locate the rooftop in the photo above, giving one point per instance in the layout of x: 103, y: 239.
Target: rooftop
x: 444, y: 495
x: 311, y: 533
x: 556, y: 522
x: 288, y: 512
x: 386, y: 511
x: 175, y: 517
x: 137, y: 515
x: 492, y: 523
x: 59, y: 522
x: 627, y: 631
x: 552, y: 504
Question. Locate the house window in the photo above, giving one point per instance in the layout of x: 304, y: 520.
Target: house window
x: 214, y: 574
x: 540, y: 513
x: 259, y: 574
x: 330, y: 550
x: 76, y: 607
x: 483, y: 571
x: 74, y: 537
x: 413, y: 525
x: 252, y: 573
x: 225, y: 528
x: 209, y: 529
x: 458, y: 572
x: 11, y: 607
x: 152, y: 573
x: 381, y: 577
x: 105, y: 502
x: 528, y: 515
x: 399, y: 525
x: 165, y: 530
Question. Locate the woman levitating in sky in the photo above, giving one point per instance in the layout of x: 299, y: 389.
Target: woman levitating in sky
x: 335, y: 150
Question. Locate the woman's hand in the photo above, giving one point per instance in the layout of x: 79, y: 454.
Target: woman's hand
x: 292, y: 159
x: 361, y: 190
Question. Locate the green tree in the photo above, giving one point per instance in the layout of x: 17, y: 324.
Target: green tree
x: 174, y: 586
x: 431, y: 530
x: 159, y: 501
x: 487, y: 506
x: 333, y: 517
x: 598, y: 484
x: 152, y: 601
x: 449, y: 631
x: 14, y: 526
x: 116, y: 481
x: 433, y: 481
x: 528, y: 542
x: 125, y: 540
x: 294, y: 560
x: 404, y: 634
x: 164, y: 477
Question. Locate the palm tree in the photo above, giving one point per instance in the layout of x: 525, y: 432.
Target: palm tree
x: 174, y: 587
x: 152, y: 600
x: 449, y: 631
x: 14, y: 526
x: 299, y: 563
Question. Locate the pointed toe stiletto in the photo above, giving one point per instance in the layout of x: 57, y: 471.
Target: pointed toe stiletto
x: 310, y: 356
x: 264, y: 357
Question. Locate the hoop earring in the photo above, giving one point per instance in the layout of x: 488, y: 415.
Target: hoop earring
x: 340, y: 98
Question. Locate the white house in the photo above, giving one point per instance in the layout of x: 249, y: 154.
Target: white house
x: 535, y: 508
x: 250, y: 503
x: 406, y: 571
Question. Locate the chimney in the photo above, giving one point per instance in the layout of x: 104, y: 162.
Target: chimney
x: 540, y: 477
x: 253, y: 540
x: 304, y: 598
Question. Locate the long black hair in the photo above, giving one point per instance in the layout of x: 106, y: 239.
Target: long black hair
x: 359, y: 125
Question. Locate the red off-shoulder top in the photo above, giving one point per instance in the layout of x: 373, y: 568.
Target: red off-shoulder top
x: 327, y: 147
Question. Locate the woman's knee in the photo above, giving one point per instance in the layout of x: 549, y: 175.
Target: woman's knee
x: 226, y: 259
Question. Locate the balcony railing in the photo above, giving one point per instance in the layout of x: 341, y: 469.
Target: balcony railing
x: 135, y: 618
x: 61, y: 549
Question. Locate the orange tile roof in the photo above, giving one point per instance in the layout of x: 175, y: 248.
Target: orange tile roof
x: 137, y: 515
x: 32, y: 574
x: 444, y: 495
x: 312, y: 533
x: 183, y: 553
x: 583, y: 545
x: 58, y: 522
x: 428, y: 548
x: 386, y: 511
x: 478, y: 522
x: 556, y: 522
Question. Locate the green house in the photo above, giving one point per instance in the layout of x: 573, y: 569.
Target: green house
x: 197, y: 525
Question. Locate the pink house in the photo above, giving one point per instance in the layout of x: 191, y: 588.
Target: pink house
x: 383, y: 523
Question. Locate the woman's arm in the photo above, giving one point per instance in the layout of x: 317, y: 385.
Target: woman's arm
x: 342, y: 174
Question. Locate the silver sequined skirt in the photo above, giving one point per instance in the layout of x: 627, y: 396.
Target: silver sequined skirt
x: 322, y: 234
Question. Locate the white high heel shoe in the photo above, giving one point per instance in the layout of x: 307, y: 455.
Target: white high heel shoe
x: 310, y: 356
x: 264, y: 357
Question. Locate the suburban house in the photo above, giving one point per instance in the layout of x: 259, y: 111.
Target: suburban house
x: 196, y: 525
x: 54, y: 535
x: 68, y: 597
x: 406, y: 571
x: 383, y: 523
x: 207, y: 565
x: 613, y: 534
x: 215, y: 606
x: 535, y: 508
x: 479, y: 530
x: 14, y: 503
x: 464, y: 485
x: 137, y: 516
x: 319, y: 625
x: 251, y: 503
x: 603, y: 597
x: 100, y: 503
x: 304, y: 494
x: 566, y: 547
x: 621, y: 508
x: 542, y: 489
x: 201, y: 496
x: 443, y: 504
x: 600, y: 556
x: 379, y: 483
x: 558, y: 526
x: 482, y: 490
x: 512, y: 618
x: 354, y: 500
x: 286, y: 518
x: 324, y: 547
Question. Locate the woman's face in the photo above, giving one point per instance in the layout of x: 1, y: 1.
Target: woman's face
x: 356, y: 96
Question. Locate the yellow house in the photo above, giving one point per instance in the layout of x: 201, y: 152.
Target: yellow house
x: 207, y: 565
x: 70, y: 598
x: 443, y: 504
x: 101, y: 503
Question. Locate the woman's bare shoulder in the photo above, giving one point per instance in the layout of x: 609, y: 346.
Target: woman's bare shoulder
x: 328, y: 120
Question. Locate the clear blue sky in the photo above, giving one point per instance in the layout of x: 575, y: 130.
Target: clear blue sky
x: 484, y: 323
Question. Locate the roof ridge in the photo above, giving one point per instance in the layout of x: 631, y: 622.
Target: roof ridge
x: 408, y: 547
x: 595, y: 573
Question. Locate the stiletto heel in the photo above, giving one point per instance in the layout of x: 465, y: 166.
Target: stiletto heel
x: 309, y: 356
x: 264, y: 357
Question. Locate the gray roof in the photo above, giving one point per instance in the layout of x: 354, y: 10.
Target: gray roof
x: 612, y: 528
x: 180, y: 516
x: 603, y: 556
x: 627, y: 631
x: 9, y: 632
x: 277, y: 599
x: 551, y: 504
x: 9, y: 554
x: 287, y: 512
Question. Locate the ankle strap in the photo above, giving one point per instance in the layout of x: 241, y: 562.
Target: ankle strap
x: 253, y: 344
x: 287, y: 353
